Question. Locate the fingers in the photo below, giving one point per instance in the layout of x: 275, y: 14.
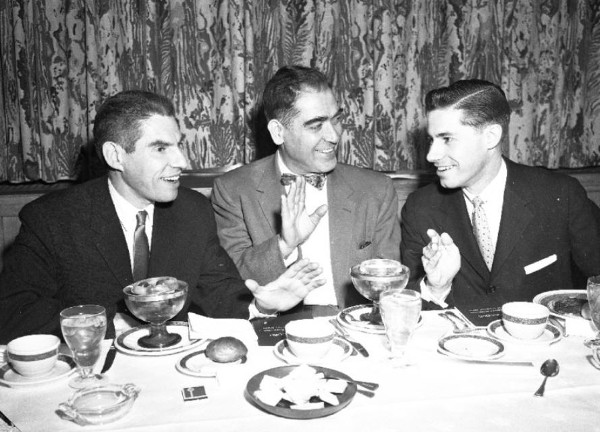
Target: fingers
x: 446, y: 239
x: 318, y: 214
x: 252, y: 285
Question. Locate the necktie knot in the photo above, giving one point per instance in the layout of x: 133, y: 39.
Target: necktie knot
x: 316, y: 180
x: 141, y: 219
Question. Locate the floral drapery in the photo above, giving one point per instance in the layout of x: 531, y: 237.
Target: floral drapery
x: 61, y: 58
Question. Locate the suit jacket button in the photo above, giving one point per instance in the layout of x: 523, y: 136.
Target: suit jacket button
x: 491, y: 289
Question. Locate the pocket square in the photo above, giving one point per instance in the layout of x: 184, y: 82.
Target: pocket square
x: 538, y: 265
x: 364, y: 244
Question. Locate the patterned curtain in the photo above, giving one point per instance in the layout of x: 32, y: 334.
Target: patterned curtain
x: 61, y: 58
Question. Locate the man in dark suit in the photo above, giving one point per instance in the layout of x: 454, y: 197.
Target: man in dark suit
x: 84, y: 244
x: 492, y: 231
x: 339, y: 217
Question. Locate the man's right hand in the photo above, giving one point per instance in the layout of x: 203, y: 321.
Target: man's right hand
x: 296, y: 224
x: 441, y: 261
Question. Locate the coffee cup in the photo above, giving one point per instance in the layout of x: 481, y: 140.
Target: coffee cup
x: 33, y: 355
x: 309, y: 338
x: 524, y: 320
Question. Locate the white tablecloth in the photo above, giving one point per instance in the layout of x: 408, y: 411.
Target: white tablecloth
x: 434, y: 393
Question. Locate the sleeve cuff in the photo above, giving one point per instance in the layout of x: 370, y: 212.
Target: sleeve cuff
x: 427, y: 295
x: 255, y: 313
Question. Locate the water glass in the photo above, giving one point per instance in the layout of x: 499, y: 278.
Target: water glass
x: 593, y: 294
x: 400, y: 311
x: 83, y: 328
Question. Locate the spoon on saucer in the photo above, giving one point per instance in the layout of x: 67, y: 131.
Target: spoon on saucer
x: 549, y: 368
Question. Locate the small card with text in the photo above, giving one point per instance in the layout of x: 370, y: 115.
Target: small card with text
x: 193, y: 393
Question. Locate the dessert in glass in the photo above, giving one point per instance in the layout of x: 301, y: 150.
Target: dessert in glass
x: 373, y: 276
x: 156, y: 300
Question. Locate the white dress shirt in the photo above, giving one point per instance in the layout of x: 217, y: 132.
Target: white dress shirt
x: 493, y: 197
x: 127, y: 216
x: 316, y: 248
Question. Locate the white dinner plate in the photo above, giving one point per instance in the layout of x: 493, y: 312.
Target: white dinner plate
x: 283, y: 409
x: 128, y: 342
x: 339, y: 351
x: 471, y: 346
x: 350, y: 318
x: 551, y: 334
x: 65, y: 366
x: 553, y: 300
x: 197, y: 364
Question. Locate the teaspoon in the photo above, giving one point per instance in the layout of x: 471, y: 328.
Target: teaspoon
x: 549, y: 368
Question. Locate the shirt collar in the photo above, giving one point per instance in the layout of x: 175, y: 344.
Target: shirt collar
x: 494, y: 189
x: 126, y: 211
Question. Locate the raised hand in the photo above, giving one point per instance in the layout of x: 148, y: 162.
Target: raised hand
x: 296, y: 223
x: 441, y: 261
x: 287, y: 290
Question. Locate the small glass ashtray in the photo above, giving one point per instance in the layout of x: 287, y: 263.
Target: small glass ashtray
x: 100, y: 404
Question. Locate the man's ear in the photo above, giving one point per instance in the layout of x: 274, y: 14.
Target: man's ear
x: 276, y: 130
x: 113, y: 155
x: 493, y: 135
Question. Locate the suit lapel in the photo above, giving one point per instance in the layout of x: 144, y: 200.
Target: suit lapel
x: 516, y: 216
x: 269, y: 190
x: 340, y: 197
x: 457, y: 224
x: 108, y: 234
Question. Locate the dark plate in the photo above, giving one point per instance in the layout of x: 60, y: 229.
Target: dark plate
x: 282, y: 409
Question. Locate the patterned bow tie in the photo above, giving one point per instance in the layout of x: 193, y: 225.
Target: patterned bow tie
x: 315, y: 180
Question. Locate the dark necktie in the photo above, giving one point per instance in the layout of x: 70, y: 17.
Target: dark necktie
x: 141, y: 250
x: 313, y: 179
x: 481, y: 229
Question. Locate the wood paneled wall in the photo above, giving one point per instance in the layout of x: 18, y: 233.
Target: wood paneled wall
x: 404, y: 182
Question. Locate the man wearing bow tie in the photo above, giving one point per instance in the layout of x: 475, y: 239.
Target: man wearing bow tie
x: 300, y: 202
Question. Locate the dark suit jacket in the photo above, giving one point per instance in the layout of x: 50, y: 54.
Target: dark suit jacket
x: 544, y: 214
x: 363, y: 221
x: 71, y: 250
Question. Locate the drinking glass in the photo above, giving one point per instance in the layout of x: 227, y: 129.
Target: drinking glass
x: 400, y: 311
x: 593, y: 295
x: 83, y: 328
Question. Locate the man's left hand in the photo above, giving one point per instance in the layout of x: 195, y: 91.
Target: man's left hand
x: 287, y: 290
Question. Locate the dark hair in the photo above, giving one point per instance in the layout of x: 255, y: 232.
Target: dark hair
x: 119, y: 117
x: 283, y: 89
x: 482, y: 102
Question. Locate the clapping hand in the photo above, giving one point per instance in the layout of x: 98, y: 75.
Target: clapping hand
x: 296, y: 223
x: 287, y: 290
x: 441, y: 261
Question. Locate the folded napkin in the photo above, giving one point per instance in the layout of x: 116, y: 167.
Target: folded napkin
x: 202, y: 327
x: 578, y: 327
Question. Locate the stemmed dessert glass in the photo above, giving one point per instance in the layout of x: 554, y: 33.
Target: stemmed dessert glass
x: 83, y: 328
x: 373, y: 276
x: 156, y: 300
x: 593, y: 295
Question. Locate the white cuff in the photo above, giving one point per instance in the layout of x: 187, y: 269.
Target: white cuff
x: 427, y: 295
x: 292, y: 258
x: 255, y: 313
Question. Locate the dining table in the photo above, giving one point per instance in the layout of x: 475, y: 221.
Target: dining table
x: 429, y: 391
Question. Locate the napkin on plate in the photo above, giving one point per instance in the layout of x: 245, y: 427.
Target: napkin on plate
x: 579, y: 327
x: 202, y: 327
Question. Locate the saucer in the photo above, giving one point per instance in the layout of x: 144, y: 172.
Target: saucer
x: 551, y: 334
x: 127, y: 342
x: 339, y: 351
x: 197, y: 364
x: 564, y: 303
x: 350, y: 318
x: 65, y: 366
x: 470, y: 346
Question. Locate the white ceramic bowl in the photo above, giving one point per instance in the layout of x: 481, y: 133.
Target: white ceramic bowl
x: 309, y: 338
x: 33, y: 355
x: 524, y: 320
